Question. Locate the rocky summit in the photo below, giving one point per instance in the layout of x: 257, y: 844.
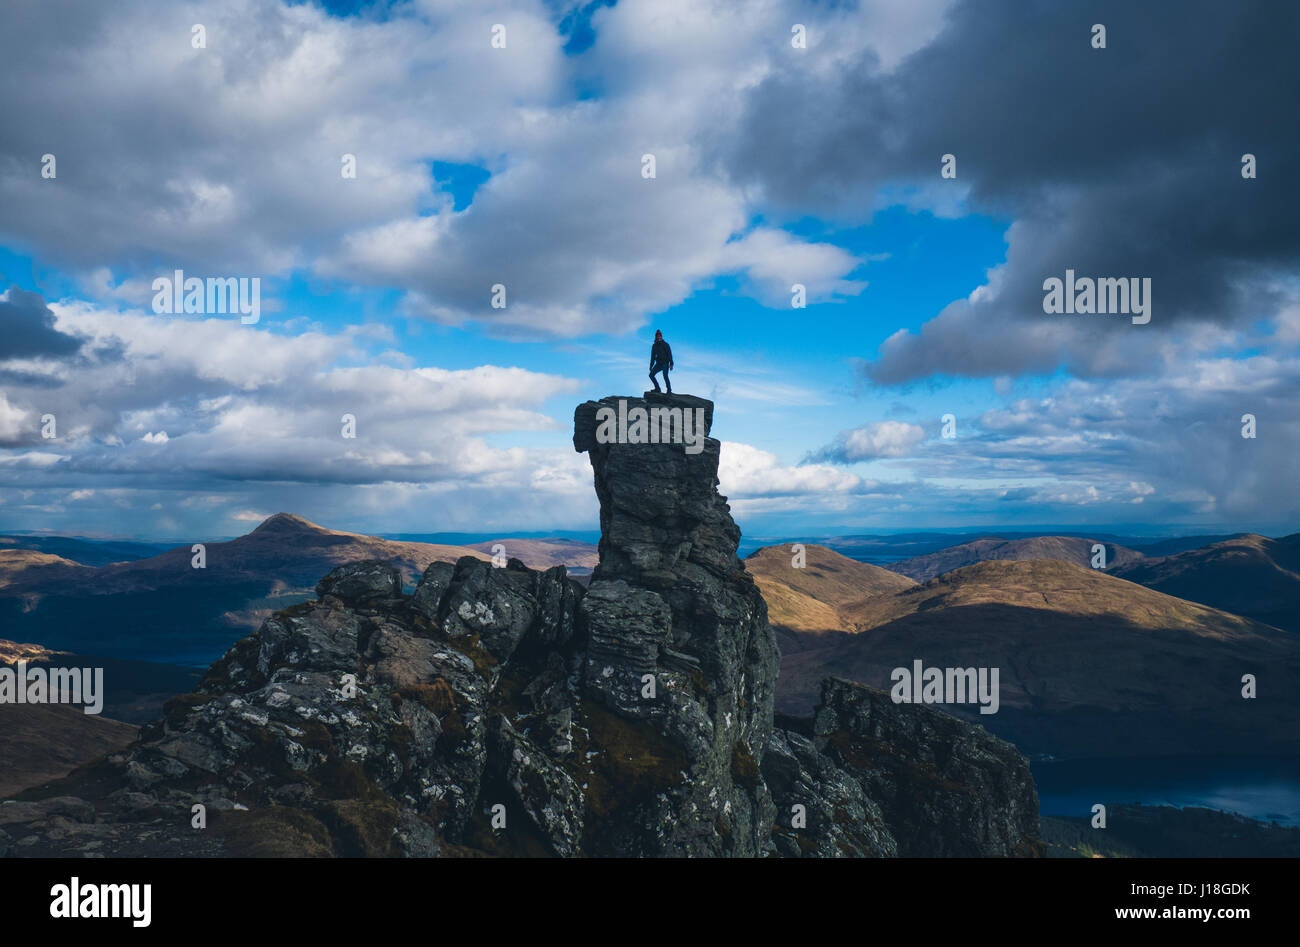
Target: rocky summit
x: 506, y: 711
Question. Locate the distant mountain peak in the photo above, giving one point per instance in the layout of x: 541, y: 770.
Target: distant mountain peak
x: 288, y: 522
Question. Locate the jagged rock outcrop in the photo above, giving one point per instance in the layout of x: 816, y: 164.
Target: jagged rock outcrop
x: 678, y: 631
x: 822, y: 810
x: 944, y: 787
x: 506, y: 711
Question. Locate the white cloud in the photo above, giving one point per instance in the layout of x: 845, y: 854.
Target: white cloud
x: 874, y: 440
x: 240, y: 409
x: 248, y: 516
x: 244, y: 178
x: 746, y: 472
x: 13, y: 421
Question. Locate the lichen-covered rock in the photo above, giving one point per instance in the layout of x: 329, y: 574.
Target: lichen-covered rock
x: 443, y: 696
x: 627, y: 631
x: 496, y: 606
x: 359, y: 583
x: 821, y: 810
x: 557, y: 602
x: 944, y: 786
x: 318, y: 637
x: 547, y: 794
x: 432, y: 588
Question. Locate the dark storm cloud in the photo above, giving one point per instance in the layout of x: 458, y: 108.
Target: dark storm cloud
x: 27, y: 328
x: 1123, y: 161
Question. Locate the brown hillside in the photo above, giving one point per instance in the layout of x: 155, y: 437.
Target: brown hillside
x: 17, y: 565
x: 43, y: 742
x: 1090, y: 664
x: 1064, y: 548
x: 1251, y: 575
x: 814, y: 598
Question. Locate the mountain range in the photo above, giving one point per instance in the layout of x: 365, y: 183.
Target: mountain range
x: 1250, y: 575
x: 1074, y: 549
x: 1143, y: 657
x: 1091, y: 664
x: 1247, y: 574
x: 161, y: 608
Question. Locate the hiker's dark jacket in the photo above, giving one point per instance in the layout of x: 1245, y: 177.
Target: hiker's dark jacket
x: 661, y: 354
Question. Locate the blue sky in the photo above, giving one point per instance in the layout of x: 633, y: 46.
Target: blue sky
x: 522, y: 165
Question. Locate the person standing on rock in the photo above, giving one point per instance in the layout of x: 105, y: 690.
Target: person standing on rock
x: 661, y: 360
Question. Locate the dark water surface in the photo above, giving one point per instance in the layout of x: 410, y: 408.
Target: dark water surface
x: 1264, y: 788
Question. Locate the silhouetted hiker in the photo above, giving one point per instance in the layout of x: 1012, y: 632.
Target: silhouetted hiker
x: 661, y: 360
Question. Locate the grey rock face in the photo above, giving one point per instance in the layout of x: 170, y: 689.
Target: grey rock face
x: 822, y: 810
x: 505, y: 711
x: 495, y: 605
x: 945, y: 787
x: 545, y: 792
x: 320, y: 638
x: 358, y: 583
x: 678, y: 633
x: 432, y: 587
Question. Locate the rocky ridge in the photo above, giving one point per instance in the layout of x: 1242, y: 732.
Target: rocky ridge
x: 508, y: 711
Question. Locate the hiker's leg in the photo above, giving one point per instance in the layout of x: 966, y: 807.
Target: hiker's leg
x: 667, y: 384
x: 654, y: 381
